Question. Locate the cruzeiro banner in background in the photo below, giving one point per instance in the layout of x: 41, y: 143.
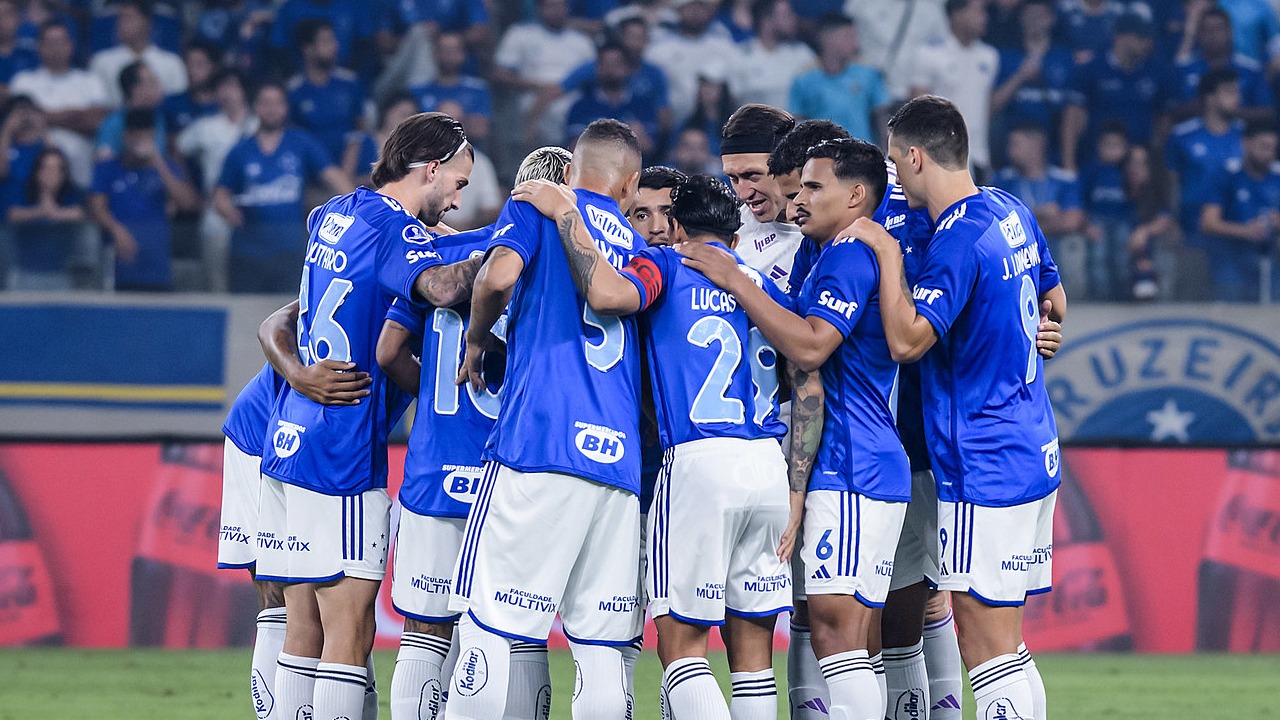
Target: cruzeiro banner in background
x: 1169, y: 380
x: 121, y: 357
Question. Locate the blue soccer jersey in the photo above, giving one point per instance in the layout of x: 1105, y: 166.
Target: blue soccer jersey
x: 363, y: 250
x: 992, y: 436
x: 443, y: 466
x: 573, y: 376
x: 912, y: 229
x: 712, y: 372
x: 246, y: 423
x: 860, y: 450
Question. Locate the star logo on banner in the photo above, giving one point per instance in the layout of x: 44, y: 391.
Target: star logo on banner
x: 1168, y: 423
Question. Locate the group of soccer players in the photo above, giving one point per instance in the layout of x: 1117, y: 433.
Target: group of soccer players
x: 605, y: 378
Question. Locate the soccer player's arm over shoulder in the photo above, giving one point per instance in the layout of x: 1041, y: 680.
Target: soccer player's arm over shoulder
x: 401, y: 333
x: 945, y: 286
x: 410, y: 267
x: 843, y: 283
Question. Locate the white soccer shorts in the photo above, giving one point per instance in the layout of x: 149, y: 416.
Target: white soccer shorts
x: 1000, y: 555
x: 849, y: 543
x: 306, y: 536
x: 917, y: 554
x: 719, y: 511
x: 241, y: 490
x: 538, y: 543
x: 426, y: 555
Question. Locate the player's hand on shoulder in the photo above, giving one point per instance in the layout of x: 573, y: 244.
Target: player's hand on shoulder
x: 551, y: 199
x: 1049, y: 335
x: 331, y: 382
x: 720, y: 267
x: 873, y: 235
x: 472, y: 362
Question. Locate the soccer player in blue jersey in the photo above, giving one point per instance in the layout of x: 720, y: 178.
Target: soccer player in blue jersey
x: 442, y: 475
x: 326, y: 466
x: 860, y: 480
x: 723, y: 487
x: 556, y: 525
x: 992, y: 438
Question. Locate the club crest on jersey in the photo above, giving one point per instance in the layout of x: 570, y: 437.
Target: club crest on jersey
x: 599, y: 443
x: 333, y: 226
x: 1171, y: 381
x: 609, y: 226
x: 415, y: 233
x: 1014, y: 233
x: 288, y: 438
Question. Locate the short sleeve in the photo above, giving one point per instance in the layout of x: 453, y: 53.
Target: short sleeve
x: 232, y: 175
x: 649, y: 270
x: 1049, y: 278
x: 1069, y: 193
x: 405, y: 250
x: 844, y: 280
x: 798, y: 97
x: 410, y: 317
x: 507, y: 54
x: 315, y: 157
x: 947, y: 279
x: 518, y: 228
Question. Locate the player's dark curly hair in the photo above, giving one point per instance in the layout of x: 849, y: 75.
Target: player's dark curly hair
x: 793, y: 151
x: 856, y: 160
x: 935, y: 125
x: 758, y: 119
x: 705, y: 205
x: 421, y: 138
x: 658, y: 177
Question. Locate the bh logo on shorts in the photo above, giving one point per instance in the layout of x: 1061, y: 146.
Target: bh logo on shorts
x: 599, y: 443
x: 1002, y: 709
x: 288, y: 438
x: 910, y: 705
x: 1172, y: 381
x: 472, y: 672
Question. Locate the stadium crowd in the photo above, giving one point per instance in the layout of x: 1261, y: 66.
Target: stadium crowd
x: 161, y: 146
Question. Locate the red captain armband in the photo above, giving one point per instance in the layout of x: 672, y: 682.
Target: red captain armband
x: 650, y: 277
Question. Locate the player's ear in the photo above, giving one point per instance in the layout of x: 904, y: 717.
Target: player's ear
x: 678, y: 234
x: 568, y: 169
x: 733, y: 242
x: 857, y: 195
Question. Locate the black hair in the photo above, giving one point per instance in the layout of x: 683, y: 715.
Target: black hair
x: 267, y: 85
x: 612, y: 45
x: 934, y: 124
x: 854, y: 159
x: 954, y: 6
x: 14, y: 102
x: 211, y: 49
x: 1114, y: 126
x: 139, y: 119
x: 391, y: 101
x: 54, y: 24
x: 608, y: 130
x: 1214, y: 79
x: 305, y: 32
x: 64, y: 191
x: 224, y: 74
x: 129, y: 77
x: 421, y: 138
x: 144, y: 7
x: 760, y: 9
x: 834, y: 20
x: 1258, y: 126
x: 1216, y: 10
x: 1029, y: 127
x: 659, y: 177
x: 758, y: 119
x: 793, y: 151
x: 704, y: 205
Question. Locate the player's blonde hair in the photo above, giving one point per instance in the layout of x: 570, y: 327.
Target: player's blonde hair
x: 545, y: 163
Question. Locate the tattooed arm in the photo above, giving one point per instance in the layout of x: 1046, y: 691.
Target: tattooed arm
x: 494, y: 284
x: 447, y: 285
x: 910, y: 335
x: 807, y: 415
x: 604, y: 288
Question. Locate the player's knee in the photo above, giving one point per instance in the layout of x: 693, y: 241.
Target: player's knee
x: 439, y: 630
x: 937, y: 605
x: 602, y: 692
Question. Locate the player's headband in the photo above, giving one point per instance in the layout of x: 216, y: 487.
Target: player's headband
x: 742, y: 144
x: 448, y: 156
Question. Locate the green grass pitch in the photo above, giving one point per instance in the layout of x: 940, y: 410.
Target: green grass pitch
x: 178, y: 685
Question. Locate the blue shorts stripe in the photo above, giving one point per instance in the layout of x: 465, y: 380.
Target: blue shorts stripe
x: 841, y: 530
x: 968, y: 562
x: 360, y: 520
x: 857, y: 538
x: 474, y: 522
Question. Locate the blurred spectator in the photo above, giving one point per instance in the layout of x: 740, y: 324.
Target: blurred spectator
x: 260, y: 191
x: 691, y: 48
x: 466, y: 17
x: 589, y: 15
x: 1034, y: 75
x: 205, y: 144
x: 324, y: 98
x: 469, y: 92
x: 773, y: 58
x: 481, y: 199
x: 14, y: 55
x: 45, y: 225
x: 1088, y: 26
x: 75, y: 100
x: 141, y: 91
x: 963, y: 69
x: 736, y: 17
x: 23, y: 136
x: 715, y: 105
x: 1198, y: 149
x: 130, y: 200
x: 200, y: 98
x: 1241, y: 220
x: 352, y: 24
x: 363, y: 148
x: 1004, y: 23
x: 1255, y: 27
x: 1124, y: 84
x: 1215, y: 51
x: 239, y: 27
x: 166, y: 27
x: 1109, y: 212
x: 1052, y: 193
x: 133, y: 35
x: 1154, y: 266
x: 692, y: 153
x: 534, y: 58
x: 839, y: 89
x: 609, y: 97
x: 891, y: 32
